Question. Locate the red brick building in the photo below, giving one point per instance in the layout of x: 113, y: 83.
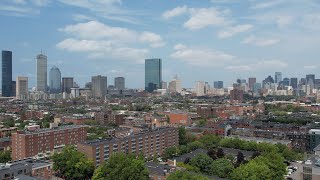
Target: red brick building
x: 180, y: 118
x: 29, y: 144
x: 149, y: 143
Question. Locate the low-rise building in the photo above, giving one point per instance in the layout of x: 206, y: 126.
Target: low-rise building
x: 29, y: 167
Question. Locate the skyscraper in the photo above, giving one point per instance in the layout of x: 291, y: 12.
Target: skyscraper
x: 286, y: 81
x: 99, y: 86
x: 119, y: 83
x: 277, y: 77
x: 252, y: 80
x: 67, y: 84
x: 199, y: 88
x: 175, y: 85
x: 55, y: 80
x: 7, y: 73
x: 42, y: 73
x: 310, y: 77
x: 218, y: 84
x: 294, y: 83
x: 153, y: 74
x: 22, y: 87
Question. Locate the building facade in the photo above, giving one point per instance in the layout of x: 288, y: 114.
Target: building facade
x: 119, y: 83
x: 218, y: 84
x: 6, y: 74
x: 55, y: 80
x: 153, y: 74
x: 67, y: 84
x: 99, y: 86
x: 39, y: 143
x: 42, y: 73
x: 22, y: 87
x: 277, y: 77
x: 149, y: 143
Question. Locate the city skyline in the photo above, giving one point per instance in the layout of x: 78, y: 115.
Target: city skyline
x: 228, y: 43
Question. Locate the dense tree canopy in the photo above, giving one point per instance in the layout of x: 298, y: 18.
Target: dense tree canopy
x: 203, y: 162
x: 185, y: 175
x: 71, y: 164
x: 122, y: 166
x: 221, y: 167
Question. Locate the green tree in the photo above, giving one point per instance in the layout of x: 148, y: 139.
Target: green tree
x: 254, y: 170
x: 185, y: 175
x: 194, y: 145
x: 182, y: 136
x: 121, y: 166
x: 170, y: 152
x: 188, y: 167
x: 71, y: 164
x: 221, y: 167
x: 5, y: 156
x: 210, y: 141
x: 203, y: 162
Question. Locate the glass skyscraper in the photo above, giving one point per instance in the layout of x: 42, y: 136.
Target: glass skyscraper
x: 55, y: 80
x: 153, y: 74
x: 7, y: 74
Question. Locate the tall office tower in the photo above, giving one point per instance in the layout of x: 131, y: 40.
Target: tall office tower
x: 42, y: 73
x: 99, y: 86
x: 252, y: 80
x: 310, y: 80
x: 67, y: 84
x: 153, y: 74
x: 310, y: 77
x: 286, y: 81
x: 277, y: 77
x: 294, y: 83
x: 256, y: 88
x: 268, y: 80
x: 119, y: 83
x: 175, y: 85
x: 236, y: 95
x: 55, y: 80
x: 218, y: 84
x: 7, y: 73
x: 22, y: 87
x: 199, y: 88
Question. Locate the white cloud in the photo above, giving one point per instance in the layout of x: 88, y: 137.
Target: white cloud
x: 108, y: 9
x: 175, y: 12
x: 82, y: 17
x: 103, y: 49
x: 239, y: 68
x: 155, y: 40
x: 98, y: 30
x: 179, y: 47
x: 261, y: 65
x: 268, y: 4
x: 310, y: 67
x: 200, y: 57
x: 231, y: 31
x: 101, y: 41
x: 203, y: 17
x: 260, y: 41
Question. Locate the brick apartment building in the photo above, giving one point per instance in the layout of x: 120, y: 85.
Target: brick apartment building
x: 148, y: 143
x: 41, y: 142
x: 180, y: 118
x: 108, y: 117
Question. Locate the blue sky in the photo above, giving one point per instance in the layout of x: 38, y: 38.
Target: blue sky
x: 204, y: 40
